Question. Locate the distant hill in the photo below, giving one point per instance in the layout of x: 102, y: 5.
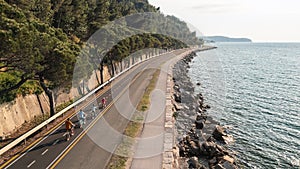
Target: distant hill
x: 225, y: 39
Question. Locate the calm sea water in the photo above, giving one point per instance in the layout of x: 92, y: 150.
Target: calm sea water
x: 255, y: 89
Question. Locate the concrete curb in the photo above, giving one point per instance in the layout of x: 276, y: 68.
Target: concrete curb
x: 171, y: 153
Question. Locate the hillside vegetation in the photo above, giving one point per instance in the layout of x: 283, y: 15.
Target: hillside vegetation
x: 42, y: 39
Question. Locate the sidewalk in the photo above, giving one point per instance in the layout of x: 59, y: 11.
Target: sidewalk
x: 157, y: 135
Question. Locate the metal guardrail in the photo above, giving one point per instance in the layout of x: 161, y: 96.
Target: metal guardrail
x: 43, y: 124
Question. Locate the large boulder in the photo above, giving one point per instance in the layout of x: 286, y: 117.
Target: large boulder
x: 201, y: 116
x: 193, y: 134
x: 177, y: 97
x: 182, y: 150
x: 199, y: 124
x: 212, y: 162
x: 223, y: 162
x: 206, y: 106
x: 229, y: 165
x: 219, y: 166
x: 193, y: 163
x: 176, y: 88
x: 229, y: 159
x: 208, y: 148
x: 194, y: 149
x: 228, y: 139
x: 219, y: 132
x: 177, y: 106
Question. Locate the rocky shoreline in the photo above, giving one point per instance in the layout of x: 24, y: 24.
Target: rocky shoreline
x: 200, y: 140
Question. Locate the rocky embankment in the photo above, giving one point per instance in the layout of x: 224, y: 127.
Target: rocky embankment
x: 200, y: 139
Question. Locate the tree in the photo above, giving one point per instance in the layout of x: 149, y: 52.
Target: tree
x: 18, y: 54
x: 34, y: 51
x: 42, y: 10
x: 41, y: 39
x: 99, y: 16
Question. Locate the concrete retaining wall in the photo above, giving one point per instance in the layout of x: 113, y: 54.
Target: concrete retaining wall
x: 23, y: 109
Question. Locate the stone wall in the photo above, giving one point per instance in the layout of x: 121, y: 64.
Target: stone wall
x: 171, y: 152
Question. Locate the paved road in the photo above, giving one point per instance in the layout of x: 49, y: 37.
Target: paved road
x: 92, y: 146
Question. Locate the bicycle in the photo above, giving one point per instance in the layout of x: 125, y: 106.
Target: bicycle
x: 69, y: 133
x: 93, y: 112
x: 82, y: 122
x: 103, y: 101
x: 81, y: 117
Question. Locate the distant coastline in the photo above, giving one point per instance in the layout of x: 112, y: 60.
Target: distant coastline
x: 212, y: 39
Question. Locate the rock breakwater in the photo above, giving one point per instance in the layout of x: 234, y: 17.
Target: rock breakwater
x: 201, y: 141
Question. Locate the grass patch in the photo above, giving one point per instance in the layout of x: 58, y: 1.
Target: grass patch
x: 39, y: 119
x: 133, y: 128
x: 64, y: 105
x: 145, y: 101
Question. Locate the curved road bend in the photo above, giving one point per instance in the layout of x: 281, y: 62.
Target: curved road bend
x: 92, y: 146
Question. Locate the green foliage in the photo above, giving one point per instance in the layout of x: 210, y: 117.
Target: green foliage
x: 64, y: 105
x: 137, y: 42
x: 7, y: 80
x: 30, y: 87
x: 42, y: 39
x: 10, y: 79
x: 42, y: 10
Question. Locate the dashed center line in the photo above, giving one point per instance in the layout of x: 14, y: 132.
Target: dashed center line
x: 45, y: 152
x: 56, y: 141
x: 29, y: 165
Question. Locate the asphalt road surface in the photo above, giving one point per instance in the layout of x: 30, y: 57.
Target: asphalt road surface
x: 92, y: 146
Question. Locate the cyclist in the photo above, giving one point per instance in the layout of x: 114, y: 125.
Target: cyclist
x: 81, y: 117
x: 69, y: 128
x: 94, y: 111
x: 103, y: 102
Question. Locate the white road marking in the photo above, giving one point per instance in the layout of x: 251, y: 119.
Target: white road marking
x: 56, y: 141
x: 30, y: 149
x: 45, y: 152
x: 65, y: 134
x: 61, y: 153
x: 29, y: 165
x: 14, y: 161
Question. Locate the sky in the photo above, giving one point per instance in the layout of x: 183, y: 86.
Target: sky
x: 259, y: 20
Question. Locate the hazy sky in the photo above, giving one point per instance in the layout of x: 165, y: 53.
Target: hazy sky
x: 260, y: 20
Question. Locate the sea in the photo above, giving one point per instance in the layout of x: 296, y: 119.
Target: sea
x: 254, y: 90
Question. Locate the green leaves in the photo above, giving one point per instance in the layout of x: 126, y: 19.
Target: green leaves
x: 33, y: 49
x: 41, y: 40
x: 6, y: 81
x: 142, y: 41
